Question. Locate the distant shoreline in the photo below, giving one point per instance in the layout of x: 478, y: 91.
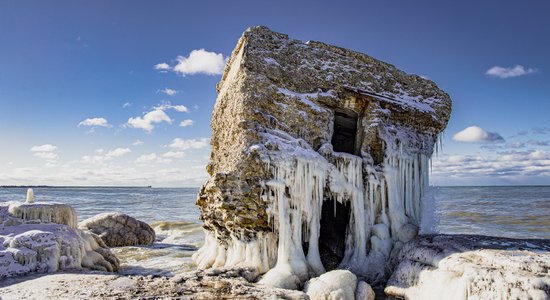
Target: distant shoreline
x: 92, y: 187
x: 196, y: 187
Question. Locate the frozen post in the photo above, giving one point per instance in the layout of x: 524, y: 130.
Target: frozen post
x: 30, y: 196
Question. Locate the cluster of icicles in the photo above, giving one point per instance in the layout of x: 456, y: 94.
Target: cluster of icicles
x: 385, y: 213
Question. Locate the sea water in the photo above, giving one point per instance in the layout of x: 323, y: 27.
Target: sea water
x: 512, y: 211
x: 506, y: 211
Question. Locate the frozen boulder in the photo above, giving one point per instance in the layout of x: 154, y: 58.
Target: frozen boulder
x: 44, y: 212
x: 333, y: 285
x: 471, y: 267
x: 364, y: 291
x: 118, y: 230
x: 30, y: 246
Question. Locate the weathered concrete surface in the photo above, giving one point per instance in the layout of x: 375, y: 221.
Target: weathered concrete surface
x: 275, y: 157
x: 256, y: 93
x: 471, y: 266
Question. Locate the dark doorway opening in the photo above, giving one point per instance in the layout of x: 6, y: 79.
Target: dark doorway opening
x: 332, y: 236
x: 345, y: 131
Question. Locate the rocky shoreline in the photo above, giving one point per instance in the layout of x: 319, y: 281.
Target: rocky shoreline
x: 425, y: 268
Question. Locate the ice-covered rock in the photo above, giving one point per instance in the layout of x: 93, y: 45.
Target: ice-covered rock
x: 117, y: 229
x: 472, y: 267
x: 30, y: 196
x: 35, y: 245
x: 48, y: 212
x: 333, y: 285
x: 364, y: 291
x: 320, y: 160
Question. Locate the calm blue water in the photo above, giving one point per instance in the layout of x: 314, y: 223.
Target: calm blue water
x: 522, y: 212
x: 146, y: 204
x: 511, y: 211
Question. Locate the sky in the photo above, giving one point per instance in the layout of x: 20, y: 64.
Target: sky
x: 121, y: 92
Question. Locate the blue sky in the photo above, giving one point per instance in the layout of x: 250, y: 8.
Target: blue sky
x: 65, y: 63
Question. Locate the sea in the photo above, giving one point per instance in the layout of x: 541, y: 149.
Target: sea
x: 507, y: 211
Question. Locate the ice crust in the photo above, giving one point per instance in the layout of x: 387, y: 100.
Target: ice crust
x: 472, y: 267
x: 333, y: 285
x: 35, y: 245
x: 48, y: 212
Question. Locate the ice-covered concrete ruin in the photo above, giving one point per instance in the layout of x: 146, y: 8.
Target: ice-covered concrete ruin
x: 320, y: 160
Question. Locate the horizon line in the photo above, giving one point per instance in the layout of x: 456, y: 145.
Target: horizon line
x: 186, y: 187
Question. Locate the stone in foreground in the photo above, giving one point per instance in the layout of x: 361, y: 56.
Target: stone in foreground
x: 333, y: 285
x: 32, y: 245
x: 234, y: 283
x: 319, y: 160
x: 364, y: 291
x: 118, y: 230
x: 472, y: 267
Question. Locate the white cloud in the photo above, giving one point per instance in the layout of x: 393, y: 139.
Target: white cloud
x: 156, y: 116
x: 46, y: 155
x: 95, y: 122
x: 118, y: 152
x: 44, y: 148
x: 126, y: 104
x: 121, y: 171
x: 167, y: 91
x: 182, y: 144
x: 174, y: 154
x: 151, y: 158
x: 511, y: 167
x: 180, y: 108
x: 200, y: 62
x: 137, y: 143
x: 149, y: 119
x: 540, y: 130
x: 539, y: 143
x: 186, y: 123
x: 168, y: 105
x: 475, y: 134
x: 516, y: 71
x: 163, y: 67
x: 47, y: 152
x: 103, y: 155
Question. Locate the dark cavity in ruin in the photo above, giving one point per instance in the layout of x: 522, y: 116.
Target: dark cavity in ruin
x: 345, y: 131
x: 332, y: 238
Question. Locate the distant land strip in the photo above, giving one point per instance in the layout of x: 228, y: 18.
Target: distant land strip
x: 73, y: 186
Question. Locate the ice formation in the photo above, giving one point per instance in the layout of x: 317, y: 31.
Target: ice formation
x: 30, y: 196
x: 37, y: 244
x: 49, y: 212
x: 364, y: 291
x: 333, y: 285
x: 320, y: 160
x: 472, y: 267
